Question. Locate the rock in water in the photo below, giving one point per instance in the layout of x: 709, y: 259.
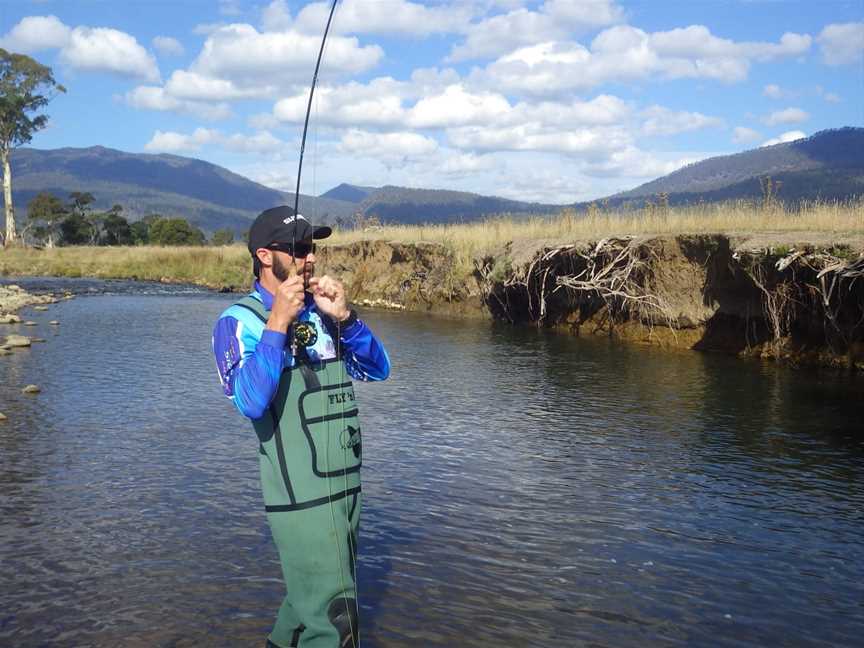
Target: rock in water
x: 30, y: 323
x: 17, y: 341
x: 40, y: 308
x: 10, y: 319
x: 54, y: 322
x: 2, y: 416
x: 31, y: 389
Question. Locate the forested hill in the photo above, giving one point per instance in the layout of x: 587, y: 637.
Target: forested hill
x: 828, y: 165
x: 391, y: 204
x: 209, y: 196
x: 348, y: 192
x: 413, y: 206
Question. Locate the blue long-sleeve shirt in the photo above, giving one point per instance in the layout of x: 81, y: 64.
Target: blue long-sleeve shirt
x: 250, y: 358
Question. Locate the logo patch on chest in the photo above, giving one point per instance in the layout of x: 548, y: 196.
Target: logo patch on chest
x: 350, y: 438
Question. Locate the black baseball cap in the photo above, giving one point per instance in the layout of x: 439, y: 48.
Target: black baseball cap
x: 282, y: 225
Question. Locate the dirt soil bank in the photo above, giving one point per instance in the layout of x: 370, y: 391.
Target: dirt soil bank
x: 797, y: 301
x: 795, y: 298
x: 405, y: 276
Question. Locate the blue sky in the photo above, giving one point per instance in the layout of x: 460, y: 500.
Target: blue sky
x: 553, y: 101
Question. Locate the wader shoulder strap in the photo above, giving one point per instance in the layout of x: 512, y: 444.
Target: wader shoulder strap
x: 254, y: 305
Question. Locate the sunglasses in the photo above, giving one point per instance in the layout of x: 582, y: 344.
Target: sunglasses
x: 299, y: 249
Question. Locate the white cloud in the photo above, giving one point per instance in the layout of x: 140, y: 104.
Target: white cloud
x: 455, y: 107
x: 193, y: 86
x: 168, y: 46
x: 92, y: 49
x: 789, y: 136
x: 587, y: 141
x: 397, y: 17
x: 542, y: 180
x: 35, y: 33
x: 842, y: 43
x: 262, y: 142
x: 696, y: 41
x: 108, y: 50
x: 385, y: 104
x: 555, y: 20
x: 662, y: 121
x: 460, y: 163
x: 242, y: 54
x: 238, y: 62
x: 625, y: 53
x: 381, y: 102
x: 602, y: 110
x: 744, y: 135
x: 172, y: 142
x: 378, y: 103
x: 400, y: 145
x: 276, y: 177
x: 155, y: 98
x: 787, y: 116
x: 545, y: 68
x: 276, y: 16
x: 773, y: 91
x: 631, y: 162
x: 831, y: 97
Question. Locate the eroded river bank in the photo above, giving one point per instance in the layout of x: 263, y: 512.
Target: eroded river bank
x: 794, y: 298
x: 801, y: 303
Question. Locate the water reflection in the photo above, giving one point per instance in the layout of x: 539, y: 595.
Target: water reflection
x: 520, y: 489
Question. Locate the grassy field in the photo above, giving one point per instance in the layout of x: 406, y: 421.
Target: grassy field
x: 469, y: 240
x: 216, y: 267
x: 229, y: 266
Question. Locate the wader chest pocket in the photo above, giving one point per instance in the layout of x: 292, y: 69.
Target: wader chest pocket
x: 328, y: 416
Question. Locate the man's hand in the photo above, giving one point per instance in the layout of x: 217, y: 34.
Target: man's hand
x: 287, y: 304
x: 329, y: 297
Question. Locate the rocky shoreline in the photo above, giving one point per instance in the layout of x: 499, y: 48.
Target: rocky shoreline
x: 12, y: 299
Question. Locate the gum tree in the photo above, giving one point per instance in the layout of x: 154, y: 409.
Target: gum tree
x: 45, y: 213
x: 26, y: 86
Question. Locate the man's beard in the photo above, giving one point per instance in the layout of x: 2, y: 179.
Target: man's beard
x: 283, y: 272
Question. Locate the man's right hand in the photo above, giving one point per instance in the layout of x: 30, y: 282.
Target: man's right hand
x: 287, y: 304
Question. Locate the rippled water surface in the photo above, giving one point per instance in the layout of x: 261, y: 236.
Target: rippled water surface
x: 521, y: 489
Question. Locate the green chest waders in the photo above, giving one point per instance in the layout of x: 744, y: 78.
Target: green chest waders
x: 310, y: 457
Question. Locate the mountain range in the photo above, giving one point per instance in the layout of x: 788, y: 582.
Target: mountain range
x: 828, y: 165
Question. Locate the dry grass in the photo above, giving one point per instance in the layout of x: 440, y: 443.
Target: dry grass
x: 472, y: 239
x: 207, y: 266
x: 230, y: 266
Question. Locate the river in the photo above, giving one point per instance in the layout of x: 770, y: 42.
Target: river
x: 521, y: 488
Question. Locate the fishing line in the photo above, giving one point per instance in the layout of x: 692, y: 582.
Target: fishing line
x: 306, y: 126
x: 343, y: 376
x: 352, y: 538
x: 354, y: 642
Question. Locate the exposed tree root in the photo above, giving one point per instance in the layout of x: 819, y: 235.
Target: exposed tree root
x: 808, y: 299
x: 805, y: 285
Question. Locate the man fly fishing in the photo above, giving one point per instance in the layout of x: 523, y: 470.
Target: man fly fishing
x: 286, y: 354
